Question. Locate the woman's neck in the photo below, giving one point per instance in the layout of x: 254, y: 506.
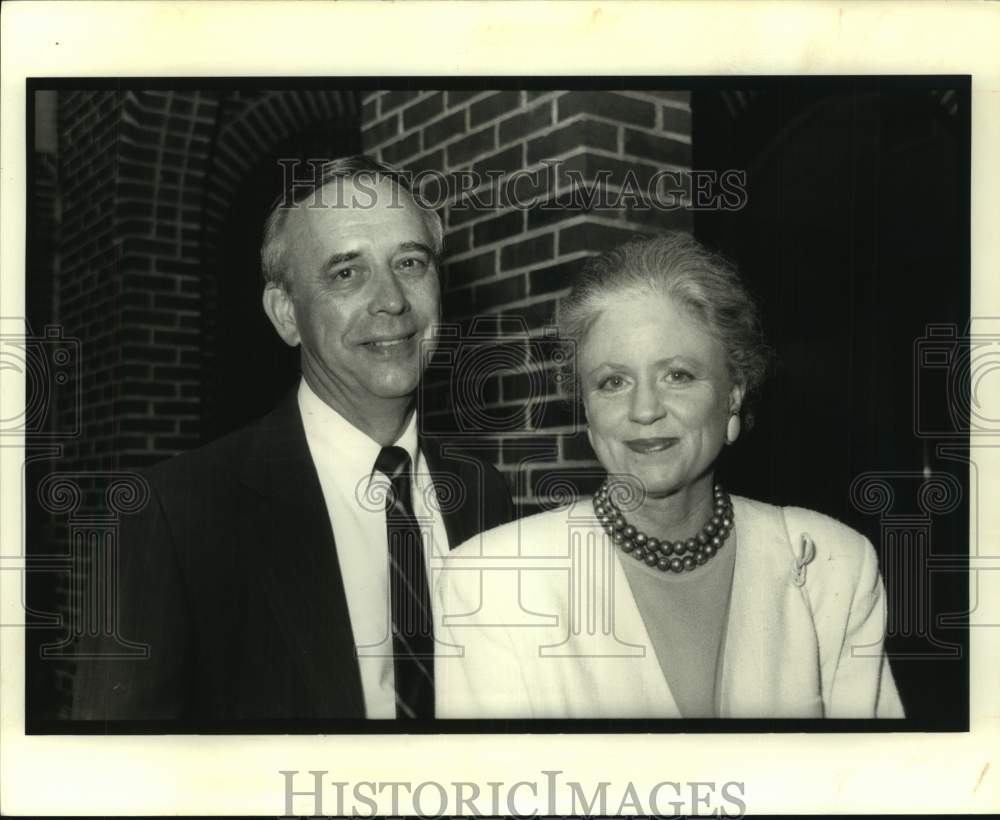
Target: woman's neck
x: 678, y: 516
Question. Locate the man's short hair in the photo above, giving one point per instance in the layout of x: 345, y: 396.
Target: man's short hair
x: 272, y: 249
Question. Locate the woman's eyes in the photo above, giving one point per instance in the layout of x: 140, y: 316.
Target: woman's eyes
x: 677, y: 376
x: 613, y: 382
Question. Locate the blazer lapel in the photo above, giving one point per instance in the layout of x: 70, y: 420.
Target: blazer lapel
x: 293, y: 551
x: 771, y: 657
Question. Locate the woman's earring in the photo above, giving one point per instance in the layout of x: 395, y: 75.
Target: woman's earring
x: 733, y: 428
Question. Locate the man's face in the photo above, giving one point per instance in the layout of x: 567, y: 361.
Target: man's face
x: 364, y: 293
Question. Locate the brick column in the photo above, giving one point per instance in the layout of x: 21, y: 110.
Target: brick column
x: 164, y: 143
x: 127, y: 218
x: 513, y: 264
x: 147, y: 180
x: 130, y: 171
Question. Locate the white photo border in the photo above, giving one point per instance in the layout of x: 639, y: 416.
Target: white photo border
x: 230, y: 775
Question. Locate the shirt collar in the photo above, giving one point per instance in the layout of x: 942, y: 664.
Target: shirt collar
x: 354, y: 451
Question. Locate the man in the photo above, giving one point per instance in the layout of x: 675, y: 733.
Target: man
x: 280, y: 574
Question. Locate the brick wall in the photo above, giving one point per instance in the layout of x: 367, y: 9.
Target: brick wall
x: 148, y: 179
x: 142, y: 182
x: 510, y: 265
x: 83, y: 301
x: 185, y: 155
x: 40, y: 279
x: 88, y: 290
x: 164, y: 141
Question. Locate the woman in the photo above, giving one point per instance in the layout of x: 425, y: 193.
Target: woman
x: 663, y: 596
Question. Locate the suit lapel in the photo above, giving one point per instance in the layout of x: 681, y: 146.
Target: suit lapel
x: 291, y: 538
x: 459, y: 484
x: 290, y: 542
x: 771, y: 658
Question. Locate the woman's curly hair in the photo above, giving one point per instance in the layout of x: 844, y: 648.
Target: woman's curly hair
x: 677, y: 265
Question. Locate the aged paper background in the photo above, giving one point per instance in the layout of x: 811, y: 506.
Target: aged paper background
x: 239, y: 775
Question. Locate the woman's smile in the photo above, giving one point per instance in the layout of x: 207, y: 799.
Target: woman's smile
x: 647, y: 446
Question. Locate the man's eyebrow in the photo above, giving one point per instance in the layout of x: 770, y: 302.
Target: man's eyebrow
x: 338, y: 258
x: 350, y: 256
x: 416, y: 246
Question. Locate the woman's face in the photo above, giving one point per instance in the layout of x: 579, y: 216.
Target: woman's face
x: 656, y: 391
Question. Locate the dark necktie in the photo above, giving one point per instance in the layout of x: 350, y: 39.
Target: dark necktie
x: 412, y: 626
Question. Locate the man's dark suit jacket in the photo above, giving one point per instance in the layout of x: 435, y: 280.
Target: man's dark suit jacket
x: 230, y: 576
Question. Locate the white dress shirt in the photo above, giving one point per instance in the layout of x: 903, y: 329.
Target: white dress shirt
x: 355, y: 501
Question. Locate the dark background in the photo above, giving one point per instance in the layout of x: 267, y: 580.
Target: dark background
x: 855, y: 238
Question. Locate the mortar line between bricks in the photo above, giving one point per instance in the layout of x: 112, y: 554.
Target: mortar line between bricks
x: 563, y: 189
x: 479, y: 96
x: 645, y: 129
x: 543, y: 132
x: 611, y: 185
x: 400, y: 107
x: 510, y: 113
x: 472, y: 160
x: 529, y: 301
x: 648, y: 96
x: 601, y: 153
x: 674, y: 136
x: 573, y: 221
x: 533, y: 233
x: 449, y: 112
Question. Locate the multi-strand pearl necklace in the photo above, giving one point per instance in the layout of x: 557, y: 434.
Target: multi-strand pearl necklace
x: 673, y: 556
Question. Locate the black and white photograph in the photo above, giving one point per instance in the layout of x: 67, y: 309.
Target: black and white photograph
x: 378, y: 407
x: 641, y: 357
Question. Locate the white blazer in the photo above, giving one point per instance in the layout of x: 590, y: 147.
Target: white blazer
x: 536, y: 619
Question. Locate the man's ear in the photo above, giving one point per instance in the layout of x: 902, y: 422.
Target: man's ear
x: 281, y: 311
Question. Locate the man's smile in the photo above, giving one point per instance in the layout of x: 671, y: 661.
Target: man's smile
x: 388, y: 343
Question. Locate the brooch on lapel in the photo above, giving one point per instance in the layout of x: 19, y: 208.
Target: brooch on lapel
x: 803, y: 552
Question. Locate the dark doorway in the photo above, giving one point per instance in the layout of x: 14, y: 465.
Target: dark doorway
x: 248, y: 368
x: 855, y: 238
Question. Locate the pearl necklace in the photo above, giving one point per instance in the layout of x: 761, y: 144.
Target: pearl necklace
x: 673, y: 556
